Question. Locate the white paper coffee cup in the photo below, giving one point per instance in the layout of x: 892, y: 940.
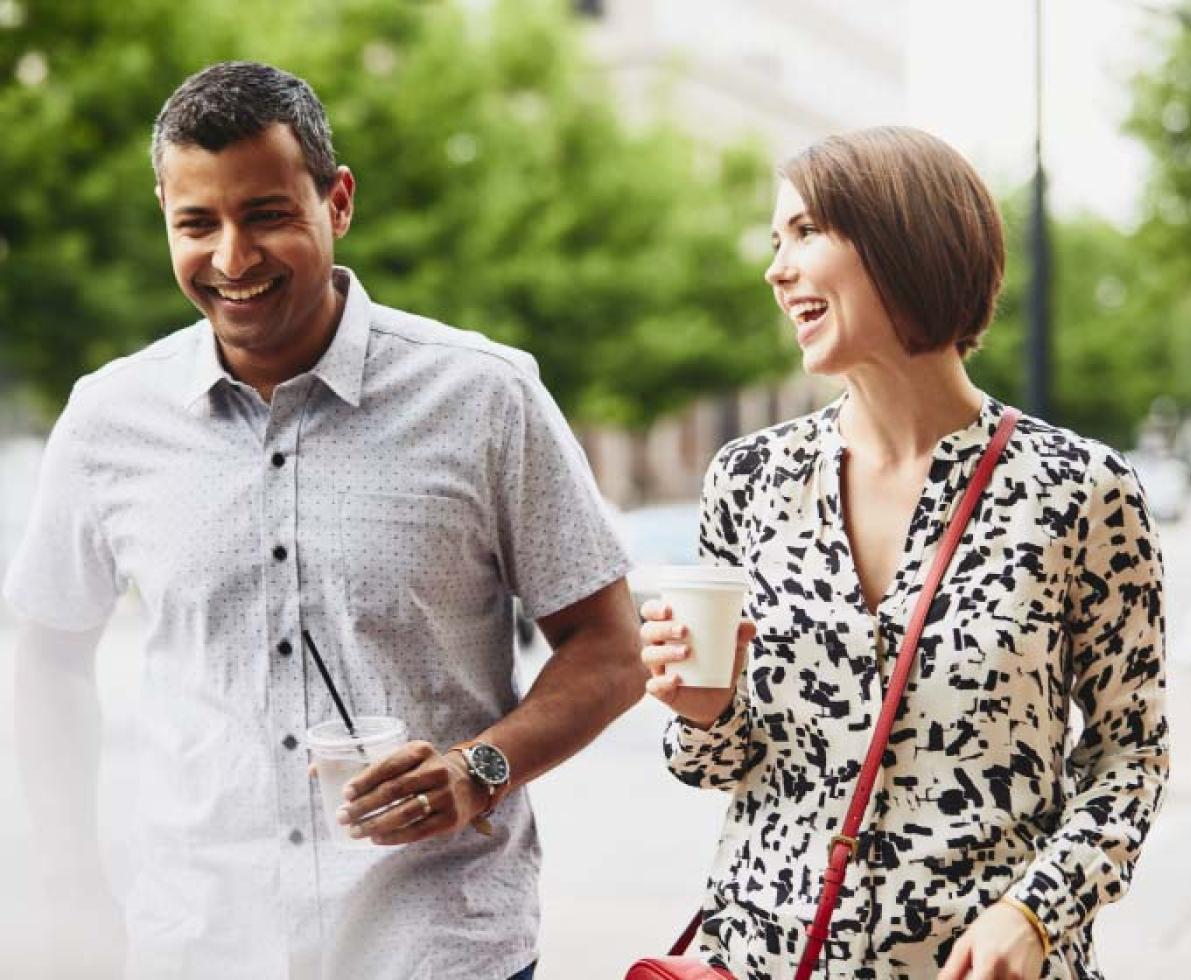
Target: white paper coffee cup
x: 338, y: 757
x: 707, y: 600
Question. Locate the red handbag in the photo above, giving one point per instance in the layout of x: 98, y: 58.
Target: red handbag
x: 843, y: 845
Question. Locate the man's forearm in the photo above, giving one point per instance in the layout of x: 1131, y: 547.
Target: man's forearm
x: 58, y: 741
x: 594, y: 676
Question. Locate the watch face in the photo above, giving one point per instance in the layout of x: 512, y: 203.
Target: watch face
x: 490, y: 764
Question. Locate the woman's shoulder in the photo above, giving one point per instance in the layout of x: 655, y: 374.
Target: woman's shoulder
x: 1064, y: 453
x: 788, y: 445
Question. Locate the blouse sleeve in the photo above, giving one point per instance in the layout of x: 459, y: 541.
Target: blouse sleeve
x: 1121, y: 762
x: 715, y: 757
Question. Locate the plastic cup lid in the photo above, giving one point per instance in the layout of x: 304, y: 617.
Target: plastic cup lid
x: 370, y: 730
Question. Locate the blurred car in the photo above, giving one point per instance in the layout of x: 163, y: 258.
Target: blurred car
x: 1166, y: 481
x: 661, y: 534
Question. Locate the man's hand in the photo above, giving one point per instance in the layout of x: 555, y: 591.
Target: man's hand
x: 414, y: 772
x: 1000, y: 945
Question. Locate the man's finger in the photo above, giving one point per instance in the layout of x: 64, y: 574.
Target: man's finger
x: 424, y: 779
x: 431, y: 826
x: 409, y: 756
x: 405, y: 813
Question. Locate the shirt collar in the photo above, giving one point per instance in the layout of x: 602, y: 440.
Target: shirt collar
x: 341, y: 368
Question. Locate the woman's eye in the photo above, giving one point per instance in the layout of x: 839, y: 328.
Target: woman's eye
x: 805, y: 231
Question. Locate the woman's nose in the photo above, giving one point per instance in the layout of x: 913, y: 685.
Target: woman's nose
x: 781, y: 269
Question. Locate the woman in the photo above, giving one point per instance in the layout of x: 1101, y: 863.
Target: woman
x: 995, y: 830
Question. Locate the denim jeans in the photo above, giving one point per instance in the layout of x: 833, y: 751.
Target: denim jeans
x: 526, y: 974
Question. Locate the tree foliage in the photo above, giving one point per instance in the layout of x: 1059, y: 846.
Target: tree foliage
x: 1118, y: 339
x: 498, y: 190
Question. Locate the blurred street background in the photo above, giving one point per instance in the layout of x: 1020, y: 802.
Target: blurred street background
x: 591, y: 180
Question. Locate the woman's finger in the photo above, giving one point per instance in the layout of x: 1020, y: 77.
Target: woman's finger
x: 662, y: 632
x: 659, y: 656
x: 958, y: 963
x: 664, y: 687
x: 656, y: 610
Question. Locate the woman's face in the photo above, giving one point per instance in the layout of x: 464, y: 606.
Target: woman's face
x: 821, y: 285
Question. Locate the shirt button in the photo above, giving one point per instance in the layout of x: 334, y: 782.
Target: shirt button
x: 278, y: 459
x: 279, y: 552
x: 284, y: 648
x: 290, y: 742
x: 295, y: 837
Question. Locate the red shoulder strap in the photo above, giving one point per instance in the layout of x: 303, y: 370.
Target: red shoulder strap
x: 843, y: 845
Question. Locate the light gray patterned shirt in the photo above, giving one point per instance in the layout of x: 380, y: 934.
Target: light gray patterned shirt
x: 391, y: 501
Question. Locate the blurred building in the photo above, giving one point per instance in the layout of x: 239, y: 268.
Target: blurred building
x: 786, y: 71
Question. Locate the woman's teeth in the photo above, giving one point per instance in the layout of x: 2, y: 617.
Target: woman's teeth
x: 804, y: 311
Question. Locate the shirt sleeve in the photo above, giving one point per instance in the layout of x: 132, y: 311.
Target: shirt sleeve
x: 716, y: 757
x: 63, y: 574
x: 1121, y: 762
x: 556, y: 541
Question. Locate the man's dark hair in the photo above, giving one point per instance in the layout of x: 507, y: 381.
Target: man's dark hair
x: 237, y: 100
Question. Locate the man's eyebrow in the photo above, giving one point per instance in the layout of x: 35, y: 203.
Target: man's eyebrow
x: 253, y: 202
x: 260, y: 202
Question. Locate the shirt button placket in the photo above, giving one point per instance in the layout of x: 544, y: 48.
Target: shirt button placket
x: 279, y: 472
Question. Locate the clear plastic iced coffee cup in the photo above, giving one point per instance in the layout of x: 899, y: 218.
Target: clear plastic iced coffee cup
x: 708, y: 600
x: 337, y: 757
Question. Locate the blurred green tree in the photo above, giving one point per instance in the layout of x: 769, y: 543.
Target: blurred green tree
x: 1118, y: 338
x: 498, y: 190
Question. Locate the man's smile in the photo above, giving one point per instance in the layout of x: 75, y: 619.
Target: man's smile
x: 242, y: 293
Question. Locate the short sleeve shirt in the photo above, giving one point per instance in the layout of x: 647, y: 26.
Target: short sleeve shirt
x: 391, y: 501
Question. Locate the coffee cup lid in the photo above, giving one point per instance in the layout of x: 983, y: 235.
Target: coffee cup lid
x: 702, y: 576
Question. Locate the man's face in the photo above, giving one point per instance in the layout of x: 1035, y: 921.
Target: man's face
x: 252, y: 243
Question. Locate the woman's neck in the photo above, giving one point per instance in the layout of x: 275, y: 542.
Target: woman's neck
x: 894, y: 415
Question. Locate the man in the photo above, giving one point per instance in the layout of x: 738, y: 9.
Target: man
x: 303, y: 459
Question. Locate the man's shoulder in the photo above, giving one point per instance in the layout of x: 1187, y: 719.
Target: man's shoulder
x: 460, y: 348
x: 148, y: 366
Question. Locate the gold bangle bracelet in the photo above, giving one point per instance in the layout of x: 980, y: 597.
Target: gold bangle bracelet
x: 1039, y: 928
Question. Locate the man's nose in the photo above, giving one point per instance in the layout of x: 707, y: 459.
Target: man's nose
x: 236, y: 253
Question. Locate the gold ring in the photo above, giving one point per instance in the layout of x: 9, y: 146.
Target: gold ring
x: 424, y: 803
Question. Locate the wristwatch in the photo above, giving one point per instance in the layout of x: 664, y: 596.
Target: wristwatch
x: 489, y: 767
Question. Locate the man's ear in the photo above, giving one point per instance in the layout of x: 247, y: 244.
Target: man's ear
x: 341, y: 201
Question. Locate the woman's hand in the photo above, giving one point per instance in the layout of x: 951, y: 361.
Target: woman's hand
x: 1000, y: 945
x: 664, y: 642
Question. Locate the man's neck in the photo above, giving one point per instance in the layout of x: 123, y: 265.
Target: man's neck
x: 264, y: 371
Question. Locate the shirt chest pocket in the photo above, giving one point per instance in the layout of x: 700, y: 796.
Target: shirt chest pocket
x: 408, y: 559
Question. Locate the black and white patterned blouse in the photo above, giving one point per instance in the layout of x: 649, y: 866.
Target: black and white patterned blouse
x: 1049, y: 621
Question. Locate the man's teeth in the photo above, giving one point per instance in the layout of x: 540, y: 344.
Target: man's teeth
x: 243, y: 294
x: 805, y: 310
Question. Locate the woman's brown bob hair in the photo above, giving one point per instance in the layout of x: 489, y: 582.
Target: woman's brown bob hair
x: 926, y: 227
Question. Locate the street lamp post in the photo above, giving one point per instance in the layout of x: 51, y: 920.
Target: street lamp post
x: 1038, y: 339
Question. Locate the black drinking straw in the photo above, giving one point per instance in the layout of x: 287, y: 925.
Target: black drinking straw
x: 322, y: 669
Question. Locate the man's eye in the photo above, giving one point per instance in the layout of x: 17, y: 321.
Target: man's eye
x: 193, y: 224
x: 266, y: 216
x: 804, y: 231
